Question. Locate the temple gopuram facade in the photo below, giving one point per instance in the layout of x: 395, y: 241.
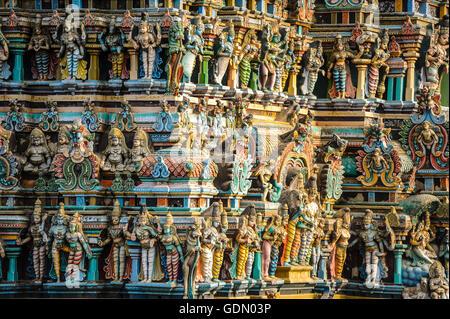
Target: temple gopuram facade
x: 224, y: 149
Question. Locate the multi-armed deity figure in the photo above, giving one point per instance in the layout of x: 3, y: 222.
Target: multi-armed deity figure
x: 373, y: 248
x: 339, y: 243
x: 5, y: 73
x: 78, y: 244
x: 376, y: 84
x: 115, y: 235
x: 57, y: 234
x: 72, y: 37
x: 249, y: 52
x: 146, y: 39
x: 36, y: 233
x: 341, y: 73
x: 40, y: 44
x: 224, y: 51
x: 273, y: 235
x: 115, y: 156
x: 114, y: 42
x: 192, y: 255
x: 176, y: 51
x: 438, y: 284
x: 193, y: 43
x: 269, y: 53
x: 420, y: 250
x: 436, y: 61
x: 37, y: 155
x: 174, y: 254
x: 313, y: 62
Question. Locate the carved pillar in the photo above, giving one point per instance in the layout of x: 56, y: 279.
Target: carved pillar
x: 135, y: 254
x: 398, y: 253
x: 93, y: 274
x: 411, y: 58
x: 18, y: 70
x: 292, y: 87
x: 12, y: 253
x: 134, y: 64
x: 94, y: 67
x: 361, y: 66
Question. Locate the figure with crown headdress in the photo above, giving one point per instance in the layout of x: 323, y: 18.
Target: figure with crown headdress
x: 191, y: 257
x: 193, y: 43
x: 250, y: 51
x: 146, y: 231
x: 40, y: 44
x: 139, y: 151
x: 57, y: 236
x: 209, y: 240
x: 114, y: 42
x: 36, y: 233
x: 72, y: 37
x: 115, y: 156
x: 146, y: 37
x: 339, y: 243
x: 221, y: 243
x: 174, y: 254
x: 224, y: 51
x: 420, y: 250
x: 173, y: 67
x: 313, y: 62
x: 342, y: 83
x: 37, y: 155
x: 5, y: 72
x: 371, y: 241
x: 274, y: 233
x: 115, y: 235
x: 378, y: 62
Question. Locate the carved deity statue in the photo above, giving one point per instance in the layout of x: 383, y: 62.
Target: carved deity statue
x: 113, y: 42
x: 224, y: 52
x: 438, y: 284
x: 316, y: 247
x: 269, y: 53
x: 209, y: 241
x: 174, y: 254
x: 37, y: 154
x: 115, y: 156
x: 40, y: 44
x: 191, y: 258
x: 5, y: 73
x: 436, y: 60
x: 57, y: 234
x: 378, y: 62
x: 249, y: 52
x: 139, y: 151
x: 39, y: 238
x: 176, y: 51
x: 421, y: 236
x: 146, y: 38
x: 313, y: 62
x: 339, y: 243
x: 273, y: 233
x: 193, y: 44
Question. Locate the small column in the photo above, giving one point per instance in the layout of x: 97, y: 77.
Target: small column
x: 203, y: 77
x: 399, y: 88
x: 94, y: 67
x: 18, y: 74
x: 398, y: 253
x: 38, y: 4
x: 410, y: 5
x: 77, y: 3
x: 133, y: 64
x: 292, y: 88
x: 390, y: 89
x: 135, y: 254
x: 361, y: 66
x: 12, y: 253
x: 93, y: 273
x: 411, y: 58
x: 232, y: 70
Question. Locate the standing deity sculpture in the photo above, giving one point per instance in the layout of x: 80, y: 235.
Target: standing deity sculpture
x: 254, y: 250
x: 339, y: 243
x: 436, y: 60
x: 243, y: 241
x: 307, y: 223
x: 72, y: 37
x: 174, y: 254
x: 370, y: 238
x: 249, y: 52
x: 116, y: 236
x: 5, y: 72
x: 40, y: 44
x: 437, y: 283
x: 173, y: 67
x: 379, y: 62
x: 193, y: 44
x: 191, y: 258
x: 224, y: 52
x: 209, y: 241
x: 39, y: 238
x: 342, y: 83
x: 37, y: 155
x: 78, y: 244
x: 269, y: 53
x: 139, y: 151
x: 274, y: 233
x: 420, y: 250
x: 313, y: 62
x: 316, y: 247
x: 146, y: 38
x: 57, y: 235
x: 184, y: 126
x: 115, y: 156
x: 113, y: 42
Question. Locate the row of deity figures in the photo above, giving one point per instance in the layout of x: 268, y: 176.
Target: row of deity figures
x: 263, y: 61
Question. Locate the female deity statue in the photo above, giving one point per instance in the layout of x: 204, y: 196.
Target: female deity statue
x: 176, y: 51
x: 116, y: 236
x: 146, y: 39
x: 72, y: 49
x: 373, y: 248
x: 306, y: 224
x: 174, y: 254
x: 37, y: 155
x: 146, y: 231
x: 114, y: 42
x: 243, y: 240
x: 139, y: 151
x: 77, y: 244
x: 221, y: 242
x: 38, y: 236
x: 115, y: 156
x: 269, y: 54
x: 57, y: 234
x: 339, y: 243
x: 375, y: 84
x: 316, y: 245
x: 314, y: 61
x: 5, y: 73
x: 436, y: 59
x: 193, y: 236
x: 428, y: 139
x: 420, y: 250
x: 225, y: 52
x: 342, y: 82
x: 273, y: 232
x: 194, y: 48
x: 254, y: 244
x: 249, y: 52
x: 209, y: 240
x: 40, y: 44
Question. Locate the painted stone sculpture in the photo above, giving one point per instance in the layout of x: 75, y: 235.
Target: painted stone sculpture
x: 193, y: 44
x: 5, y: 72
x: 113, y: 42
x: 40, y: 44
x: 39, y: 238
x: 14, y: 120
x: 313, y: 62
x: 269, y: 52
x: 37, y: 155
x: 57, y: 236
x: 376, y: 85
x: 224, y: 53
x: 139, y: 151
x: 438, y: 284
x: 174, y: 254
x: 191, y: 258
x: 420, y: 250
x: 9, y: 163
x: 249, y: 52
x: 173, y: 67
x: 115, y: 156
x: 50, y: 118
x: 339, y: 243
x: 209, y: 240
x: 274, y: 234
